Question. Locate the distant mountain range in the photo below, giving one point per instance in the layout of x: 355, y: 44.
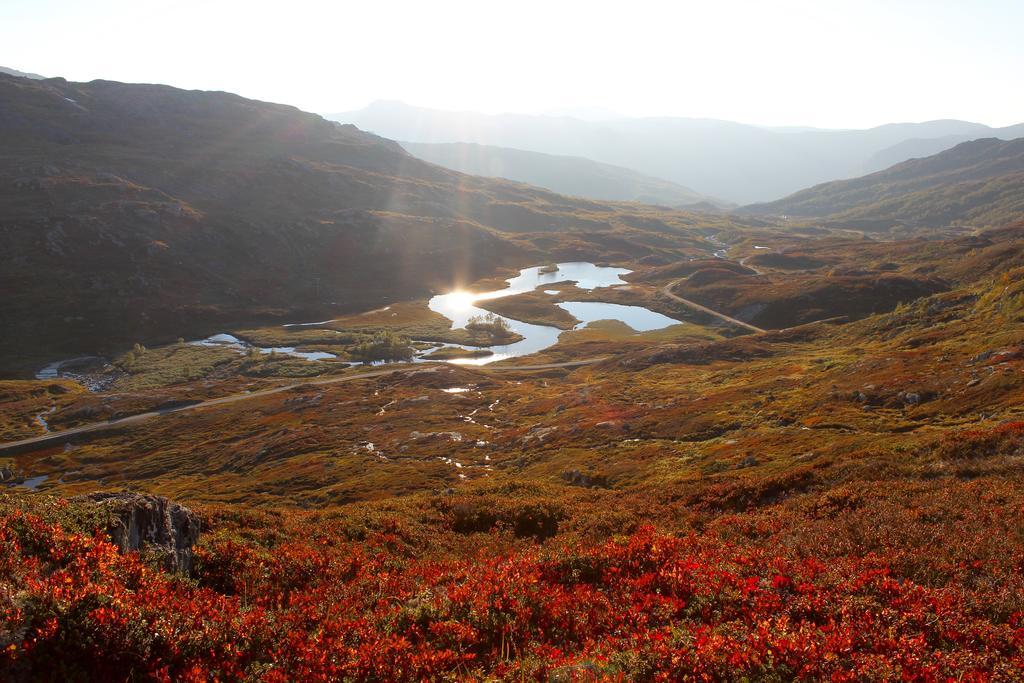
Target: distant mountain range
x: 563, y: 174
x: 978, y: 183
x: 732, y: 161
x: 22, y: 74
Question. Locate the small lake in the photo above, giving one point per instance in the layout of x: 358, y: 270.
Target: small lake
x: 459, y: 307
x: 232, y: 342
x: 639, y: 318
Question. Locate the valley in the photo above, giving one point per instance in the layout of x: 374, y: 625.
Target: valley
x: 311, y: 367
x: 297, y: 219
x: 281, y: 401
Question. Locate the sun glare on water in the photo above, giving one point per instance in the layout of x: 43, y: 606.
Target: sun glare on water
x: 462, y: 301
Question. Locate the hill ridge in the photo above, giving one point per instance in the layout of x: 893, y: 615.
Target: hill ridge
x: 978, y: 182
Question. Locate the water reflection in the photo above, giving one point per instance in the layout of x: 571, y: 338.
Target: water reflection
x: 458, y: 306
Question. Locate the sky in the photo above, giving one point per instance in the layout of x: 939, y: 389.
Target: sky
x: 824, y: 63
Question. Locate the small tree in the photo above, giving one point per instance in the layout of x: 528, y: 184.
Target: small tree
x: 384, y: 345
x: 491, y: 324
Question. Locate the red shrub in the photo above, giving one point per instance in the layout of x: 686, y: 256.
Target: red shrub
x: 649, y: 607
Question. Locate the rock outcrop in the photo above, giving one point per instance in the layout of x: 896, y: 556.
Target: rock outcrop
x: 145, y: 522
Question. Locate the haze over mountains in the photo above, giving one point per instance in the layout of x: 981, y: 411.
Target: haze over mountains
x: 564, y: 174
x: 731, y: 161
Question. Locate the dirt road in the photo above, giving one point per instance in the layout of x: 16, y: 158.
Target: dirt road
x: 667, y: 291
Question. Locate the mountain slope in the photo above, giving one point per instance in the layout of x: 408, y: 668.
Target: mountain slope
x: 732, y: 161
x: 977, y: 183
x: 566, y: 175
x: 917, y: 148
x: 128, y: 211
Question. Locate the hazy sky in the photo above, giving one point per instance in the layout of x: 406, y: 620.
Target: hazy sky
x: 827, y: 63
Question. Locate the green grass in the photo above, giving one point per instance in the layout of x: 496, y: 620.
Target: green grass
x: 173, y: 364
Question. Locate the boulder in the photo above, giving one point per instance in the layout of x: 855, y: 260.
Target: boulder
x: 145, y: 522
x: 577, y: 478
x: 435, y: 436
x: 538, y: 434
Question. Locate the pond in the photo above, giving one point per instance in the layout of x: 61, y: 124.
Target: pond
x: 458, y: 306
x: 639, y: 318
x: 33, y: 483
x: 232, y: 342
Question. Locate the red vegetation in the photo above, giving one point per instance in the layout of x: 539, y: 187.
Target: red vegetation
x: 308, y: 604
x: 1007, y: 440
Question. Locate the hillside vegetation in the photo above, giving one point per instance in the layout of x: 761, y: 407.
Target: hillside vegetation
x: 978, y: 184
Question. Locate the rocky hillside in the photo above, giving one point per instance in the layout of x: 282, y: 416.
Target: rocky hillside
x: 978, y: 183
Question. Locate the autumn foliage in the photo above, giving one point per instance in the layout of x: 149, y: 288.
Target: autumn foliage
x: 804, y: 591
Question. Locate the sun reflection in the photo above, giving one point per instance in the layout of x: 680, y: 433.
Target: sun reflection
x: 461, y: 300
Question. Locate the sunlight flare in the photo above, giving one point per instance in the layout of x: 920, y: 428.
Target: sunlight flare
x: 462, y: 300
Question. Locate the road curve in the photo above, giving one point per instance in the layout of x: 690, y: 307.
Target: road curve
x: 56, y: 437
x: 743, y: 262
x: 667, y: 291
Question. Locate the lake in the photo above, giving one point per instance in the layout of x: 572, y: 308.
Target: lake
x: 458, y: 306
